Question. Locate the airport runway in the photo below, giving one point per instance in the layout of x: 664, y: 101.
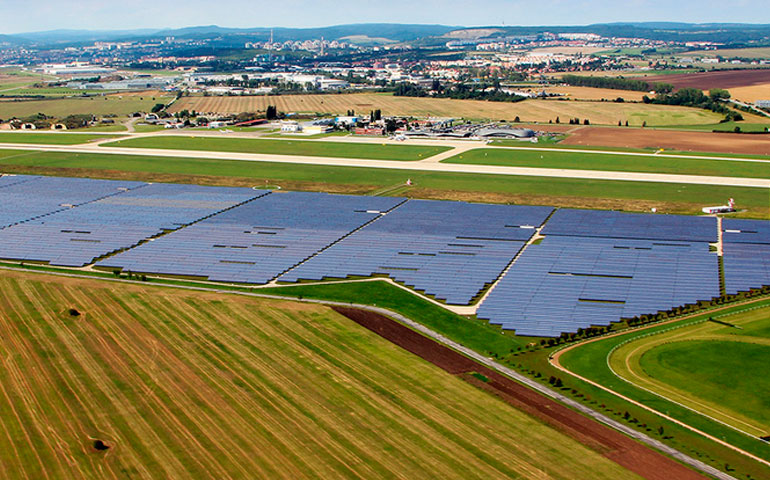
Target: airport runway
x: 429, y: 164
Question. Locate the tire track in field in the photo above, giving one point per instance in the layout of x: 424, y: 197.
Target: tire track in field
x: 54, y: 376
x: 99, y: 382
x: 128, y: 352
x: 66, y: 340
x: 330, y: 363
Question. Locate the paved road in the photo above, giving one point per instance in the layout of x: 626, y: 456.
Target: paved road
x: 542, y: 389
x: 403, y: 165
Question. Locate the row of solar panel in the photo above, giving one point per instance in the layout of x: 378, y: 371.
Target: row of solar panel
x: 736, y: 230
x: 566, y: 283
x: 447, y: 249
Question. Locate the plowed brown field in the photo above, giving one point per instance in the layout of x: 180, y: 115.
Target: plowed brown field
x: 621, y: 449
x: 670, y: 140
x: 719, y: 79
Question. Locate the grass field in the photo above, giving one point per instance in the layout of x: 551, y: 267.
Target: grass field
x: 637, y: 196
x: 711, y: 367
x: 193, y: 385
x: 529, y: 110
x: 57, y: 138
x: 472, y: 333
x: 591, y: 361
x: 611, y: 162
x: 284, y: 147
x: 62, y: 107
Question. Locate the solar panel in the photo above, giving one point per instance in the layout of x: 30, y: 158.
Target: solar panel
x: 566, y: 283
x: 610, y: 224
x: 449, y: 250
x: 736, y: 230
x: 75, y: 236
x: 26, y: 200
x: 746, y: 266
x: 258, y: 241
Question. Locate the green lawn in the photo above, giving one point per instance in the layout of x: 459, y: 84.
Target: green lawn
x: 285, y: 147
x: 590, y: 361
x: 476, y: 334
x: 57, y: 138
x: 611, y: 162
x: 556, y: 191
x: 725, y: 373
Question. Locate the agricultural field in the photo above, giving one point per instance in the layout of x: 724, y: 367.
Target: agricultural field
x: 567, y: 192
x: 727, y: 79
x: 714, y: 368
x: 611, y: 162
x: 751, y: 93
x: 61, y: 107
x: 588, y: 93
x: 57, y: 138
x: 608, y: 113
x: 116, y: 380
x: 683, y: 141
x: 759, y: 53
x: 284, y: 147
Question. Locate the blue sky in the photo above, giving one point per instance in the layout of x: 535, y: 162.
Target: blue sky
x: 18, y: 16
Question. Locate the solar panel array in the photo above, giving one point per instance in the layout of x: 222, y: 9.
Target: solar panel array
x: 7, y: 180
x: 746, y: 254
x: 447, y: 249
x: 76, y: 236
x: 258, y: 241
x: 566, y: 283
x: 736, y: 230
x: 746, y: 266
x: 609, y: 224
x: 22, y: 201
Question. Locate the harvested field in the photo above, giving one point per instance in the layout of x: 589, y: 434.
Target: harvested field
x: 614, y: 445
x: 608, y: 113
x: 61, y: 107
x: 671, y: 140
x: 718, y: 79
x: 751, y: 93
x: 758, y: 53
x: 588, y: 93
x: 202, y: 385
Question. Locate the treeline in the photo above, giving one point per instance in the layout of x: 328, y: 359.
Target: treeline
x: 617, y: 83
x: 459, y: 92
x: 692, y: 97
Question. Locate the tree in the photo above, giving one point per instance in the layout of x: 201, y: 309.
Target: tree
x: 557, y: 119
x: 517, y: 119
x: 271, y: 113
x: 586, y: 122
x: 157, y: 107
x: 717, y: 94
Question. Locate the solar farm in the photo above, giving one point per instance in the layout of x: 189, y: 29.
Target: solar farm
x: 534, y: 270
